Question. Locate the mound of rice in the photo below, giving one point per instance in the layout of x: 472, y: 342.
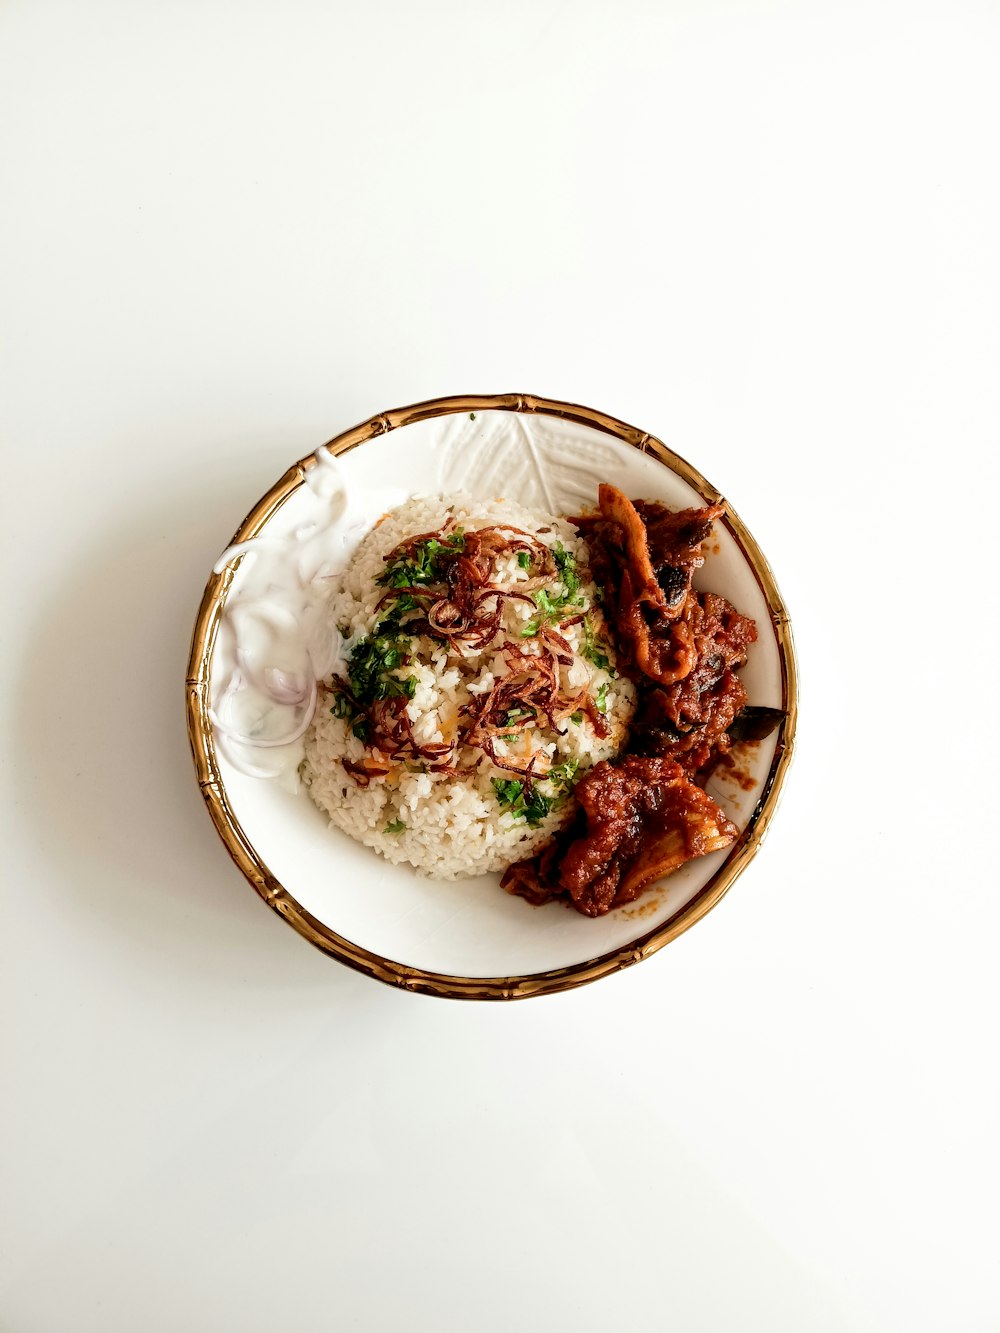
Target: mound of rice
x: 449, y: 825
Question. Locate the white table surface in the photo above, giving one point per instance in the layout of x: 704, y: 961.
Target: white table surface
x: 766, y: 232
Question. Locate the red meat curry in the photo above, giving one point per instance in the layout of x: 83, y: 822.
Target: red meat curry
x: 641, y: 816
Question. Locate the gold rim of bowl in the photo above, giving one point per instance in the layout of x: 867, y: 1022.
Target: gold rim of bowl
x: 417, y: 979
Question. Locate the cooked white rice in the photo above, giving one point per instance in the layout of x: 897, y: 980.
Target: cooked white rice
x: 454, y: 825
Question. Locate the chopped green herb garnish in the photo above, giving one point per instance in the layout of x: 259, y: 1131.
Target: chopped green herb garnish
x: 517, y: 714
x: 566, y: 565
x: 602, y: 698
x: 562, y: 775
x: 576, y: 719
x: 593, y: 648
x: 343, y: 707
x: 396, y: 687
x: 423, y: 564
x: 524, y: 559
x: 510, y: 796
x: 396, y: 826
x: 472, y: 416
x: 554, y: 606
x: 549, y: 606
x: 534, y: 808
x: 507, y: 791
x: 384, y: 650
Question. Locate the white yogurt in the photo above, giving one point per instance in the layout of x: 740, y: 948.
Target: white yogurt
x: 276, y: 639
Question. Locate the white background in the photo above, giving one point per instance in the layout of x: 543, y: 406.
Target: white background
x: 766, y: 232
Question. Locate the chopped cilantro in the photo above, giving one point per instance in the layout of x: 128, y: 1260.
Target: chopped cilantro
x: 423, y: 564
x: 554, y: 606
x: 472, y: 416
x: 384, y: 650
x: 404, y: 602
x: 524, y: 559
x: 507, y: 791
x: 343, y: 707
x: 576, y: 719
x: 517, y: 714
x: 396, y: 826
x: 532, y: 809
x: 566, y: 565
x: 593, y: 648
x: 602, y: 698
x: 562, y: 775
x: 395, y: 687
x: 549, y: 606
x: 551, y: 609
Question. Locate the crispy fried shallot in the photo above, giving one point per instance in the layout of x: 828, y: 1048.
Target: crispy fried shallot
x: 526, y: 697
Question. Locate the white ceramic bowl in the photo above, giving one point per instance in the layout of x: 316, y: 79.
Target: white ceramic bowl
x: 469, y: 939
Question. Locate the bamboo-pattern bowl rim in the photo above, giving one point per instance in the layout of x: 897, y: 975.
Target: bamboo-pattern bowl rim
x: 417, y: 979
